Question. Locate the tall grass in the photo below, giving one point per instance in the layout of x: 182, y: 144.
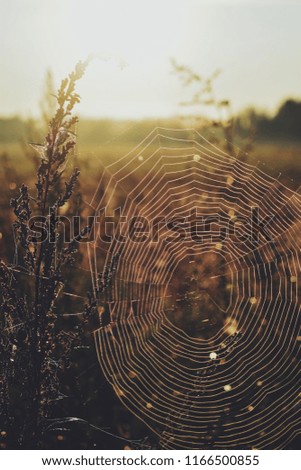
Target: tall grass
x: 33, y: 350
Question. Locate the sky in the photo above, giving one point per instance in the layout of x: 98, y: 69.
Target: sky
x: 256, y: 45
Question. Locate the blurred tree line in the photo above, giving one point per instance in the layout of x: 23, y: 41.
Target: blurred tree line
x: 284, y: 125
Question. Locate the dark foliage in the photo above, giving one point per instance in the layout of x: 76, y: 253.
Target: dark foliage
x: 33, y: 349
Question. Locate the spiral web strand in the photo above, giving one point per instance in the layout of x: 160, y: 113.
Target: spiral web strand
x: 199, y: 336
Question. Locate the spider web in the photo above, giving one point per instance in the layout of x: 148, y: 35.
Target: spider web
x: 199, y: 335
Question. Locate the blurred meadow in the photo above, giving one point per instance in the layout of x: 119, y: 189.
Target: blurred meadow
x: 151, y: 66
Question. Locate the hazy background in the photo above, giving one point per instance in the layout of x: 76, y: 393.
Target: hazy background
x: 255, y: 43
